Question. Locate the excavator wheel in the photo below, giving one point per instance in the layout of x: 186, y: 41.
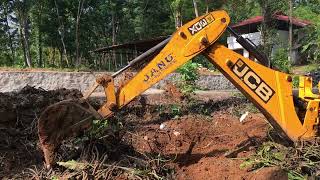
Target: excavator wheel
x: 60, y: 121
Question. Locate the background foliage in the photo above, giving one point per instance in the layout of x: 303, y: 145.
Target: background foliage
x: 61, y: 33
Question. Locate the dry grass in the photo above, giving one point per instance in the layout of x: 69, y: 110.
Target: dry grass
x: 99, y: 163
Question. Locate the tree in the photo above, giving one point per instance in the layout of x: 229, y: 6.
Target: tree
x: 310, y: 10
x: 41, y: 32
x: 176, y: 7
x: 7, y: 33
x: 196, y: 12
x: 79, y: 12
x: 61, y: 30
x: 268, y: 26
x: 22, y: 9
x: 290, y: 31
x: 37, y: 12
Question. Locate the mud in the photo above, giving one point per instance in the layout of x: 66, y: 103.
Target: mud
x: 197, y: 140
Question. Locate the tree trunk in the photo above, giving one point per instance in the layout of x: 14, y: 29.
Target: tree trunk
x: 61, y: 57
x: 114, y: 36
x: 26, y: 41
x: 290, y: 58
x: 176, y: 8
x: 195, y: 8
x: 267, y: 27
x: 54, y: 57
x: 24, y: 37
x: 9, y: 36
x: 40, y: 60
x: 80, y: 7
x: 178, y: 19
x: 207, y: 6
x: 23, y: 47
x: 61, y: 33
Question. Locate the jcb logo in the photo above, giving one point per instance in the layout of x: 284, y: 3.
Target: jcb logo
x: 253, y: 81
x: 202, y: 23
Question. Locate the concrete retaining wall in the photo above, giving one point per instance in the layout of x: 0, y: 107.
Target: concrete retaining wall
x: 13, y: 81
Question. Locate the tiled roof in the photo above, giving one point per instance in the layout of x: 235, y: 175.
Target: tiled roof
x: 280, y: 17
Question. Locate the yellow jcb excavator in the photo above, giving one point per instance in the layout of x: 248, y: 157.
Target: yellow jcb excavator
x: 270, y: 90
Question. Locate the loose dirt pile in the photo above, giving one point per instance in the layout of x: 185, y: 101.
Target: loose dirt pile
x: 195, y: 140
x: 19, y: 112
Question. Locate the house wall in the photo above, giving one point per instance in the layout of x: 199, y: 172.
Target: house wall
x: 256, y: 39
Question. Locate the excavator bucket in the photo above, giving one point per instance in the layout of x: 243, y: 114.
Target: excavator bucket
x: 63, y: 120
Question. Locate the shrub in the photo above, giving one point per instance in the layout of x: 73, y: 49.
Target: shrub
x: 280, y: 59
x: 189, y: 75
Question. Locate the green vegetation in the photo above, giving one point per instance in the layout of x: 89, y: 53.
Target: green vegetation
x: 305, y: 68
x: 61, y: 34
x: 280, y: 59
x: 189, y: 75
x: 311, y: 67
x: 176, y: 110
x: 295, y: 81
x: 310, y: 9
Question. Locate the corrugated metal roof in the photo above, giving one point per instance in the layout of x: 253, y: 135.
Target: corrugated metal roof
x: 139, y: 45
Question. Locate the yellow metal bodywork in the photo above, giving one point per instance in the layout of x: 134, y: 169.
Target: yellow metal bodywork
x: 280, y: 109
x: 109, y: 89
x: 268, y: 89
x: 305, y: 88
x: 312, y: 100
x: 182, y: 47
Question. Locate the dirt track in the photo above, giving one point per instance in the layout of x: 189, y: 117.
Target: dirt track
x: 200, y: 140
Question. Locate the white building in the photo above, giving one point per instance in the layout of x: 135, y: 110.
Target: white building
x: 250, y: 29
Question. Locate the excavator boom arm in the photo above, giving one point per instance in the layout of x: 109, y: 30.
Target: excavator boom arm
x: 187, y: 42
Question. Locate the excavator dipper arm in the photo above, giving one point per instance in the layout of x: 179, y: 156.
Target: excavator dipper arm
x: 270, y: 90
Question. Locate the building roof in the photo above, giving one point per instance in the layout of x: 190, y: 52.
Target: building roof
x: 282, y: 23
x: 259, y: 19
x: 139, y: 45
